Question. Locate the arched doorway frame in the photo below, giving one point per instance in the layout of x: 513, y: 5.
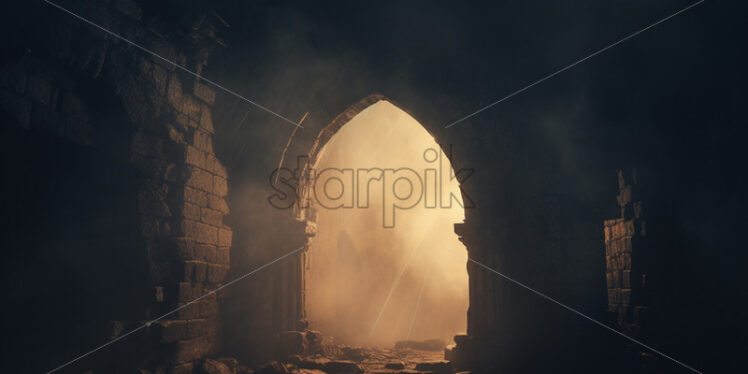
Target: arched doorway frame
x: 304, y: 210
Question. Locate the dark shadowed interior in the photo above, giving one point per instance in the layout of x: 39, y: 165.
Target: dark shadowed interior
x: 142, y: 205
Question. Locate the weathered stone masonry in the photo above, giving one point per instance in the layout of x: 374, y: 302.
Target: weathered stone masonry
x: 182, y: 190
x: 625, y: 255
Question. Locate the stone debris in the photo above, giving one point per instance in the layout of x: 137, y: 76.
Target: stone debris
x: 231, y: 362
x: 438, y: 367
x: 395, y: 365
x: 353, y: 353
x: 241, y: 369
x: 311, y: 371
x: 274, y: 367
x: 343, y: 367
x: 426, y: 345
x: 342, y: 359
x: 304, y: 343
x: 210, y: 366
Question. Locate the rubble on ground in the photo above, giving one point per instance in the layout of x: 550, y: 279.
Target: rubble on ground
x: 308, y: 352
x: 426, y: 345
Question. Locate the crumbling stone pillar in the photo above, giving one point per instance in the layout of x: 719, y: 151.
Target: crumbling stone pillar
x: 182, y: 188
x: 625, y: 256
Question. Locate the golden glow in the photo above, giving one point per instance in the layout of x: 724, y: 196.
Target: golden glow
x: 363, y: 280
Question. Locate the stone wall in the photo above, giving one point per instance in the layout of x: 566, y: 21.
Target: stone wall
x: 625, y: 255
x: 182, y: 187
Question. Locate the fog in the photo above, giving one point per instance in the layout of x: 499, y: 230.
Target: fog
x: 369, y: 284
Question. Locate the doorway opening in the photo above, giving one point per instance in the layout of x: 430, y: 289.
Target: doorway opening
x: 384, y: 267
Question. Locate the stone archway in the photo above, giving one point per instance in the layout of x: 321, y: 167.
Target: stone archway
x: 307, y: 210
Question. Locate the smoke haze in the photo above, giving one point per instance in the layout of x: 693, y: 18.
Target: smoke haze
x: 364, y: 280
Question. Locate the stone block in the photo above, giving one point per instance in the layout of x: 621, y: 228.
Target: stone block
x: 190, y: 211
x: 182, y: 120
x: 190, y: 311
x: 625, y: 279
x: 188, y: 291
x: 210, y: 366
x: 209, y: 306
x: 625, y: 245
x: 629, y: 228
x: 195, y: 196
x: 186, y: 368
x: 314, y: 338
x: 613, y: 296
x: 231, y: 362
x: 185, y: 248
x: 218, y: 203
x: 198, y: 231
x: 273, y: 367
x: 215, y: 166
x: 626, y: 261
x: 193, y: 349
x: 174, y: 95
x: 205, y: 252
x: 438, y: 367
x: 395, y: 365
x: 191, y: 108
x: 217, y: 273
x: 224, y: 237
x: 202, y: 141
x: 625, y: 297
x: 200, y: 179
x: 160, y: 78
x: 608, y: 263
x: 170, y: 331
x: 206, y: 121
x: 202, y: 327
x: 195, y: 271
x: 220, y: 186
x: 195, y: 157
x: 348, y: 367
x: 211, y: 217
x: 204, y: 93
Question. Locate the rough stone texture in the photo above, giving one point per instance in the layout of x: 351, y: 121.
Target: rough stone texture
x: 625, y: 241
x: 210, y: 366
x: 440, y: 367
x: 273, y: 368
x: 183, y: 186
x: 347, y: 367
